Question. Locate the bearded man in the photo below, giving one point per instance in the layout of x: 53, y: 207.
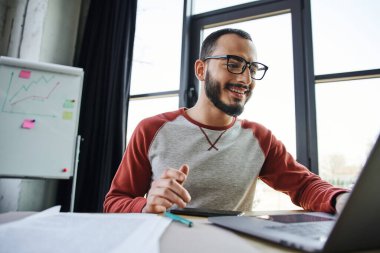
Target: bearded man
x: 207, y: 157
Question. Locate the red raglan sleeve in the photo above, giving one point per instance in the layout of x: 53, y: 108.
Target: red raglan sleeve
x: 133, y: 177
x: 283, y: 173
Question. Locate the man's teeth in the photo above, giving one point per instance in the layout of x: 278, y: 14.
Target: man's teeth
x: 238, y: 91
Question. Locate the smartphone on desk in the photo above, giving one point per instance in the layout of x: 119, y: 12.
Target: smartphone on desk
x: 205, y: 212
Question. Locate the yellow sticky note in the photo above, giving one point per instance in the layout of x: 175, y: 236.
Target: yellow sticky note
x: 67, y: 115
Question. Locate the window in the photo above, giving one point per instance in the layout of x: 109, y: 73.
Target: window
x: 346, y: 100
x: 200, y: 6
x: 348, y: 125
x: 142, y: 108
x: 156, y: 63
x: 346, y: 35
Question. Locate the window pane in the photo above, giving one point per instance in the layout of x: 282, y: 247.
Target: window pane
x: 346, y: 35
x: 272, y: 103
x: 268, y: 199
x: 142, y: 108
x: 200, y: 6
x: 348, y: 124
x: 157, y: 49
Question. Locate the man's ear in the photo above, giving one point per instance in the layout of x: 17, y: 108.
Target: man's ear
x: 200, y: 69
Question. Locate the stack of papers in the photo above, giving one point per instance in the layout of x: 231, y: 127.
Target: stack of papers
x: 52, y: 231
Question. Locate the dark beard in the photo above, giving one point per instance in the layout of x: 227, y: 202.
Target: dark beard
x: 213, y: 92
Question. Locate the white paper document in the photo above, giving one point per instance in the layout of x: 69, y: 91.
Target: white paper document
x: 52, y: 231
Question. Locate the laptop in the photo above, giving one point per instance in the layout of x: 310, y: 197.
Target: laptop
x: 356, y: 228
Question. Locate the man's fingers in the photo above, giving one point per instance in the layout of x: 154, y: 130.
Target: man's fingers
x: 168, y: 190
x: 159, y: 201
x: 171, y: 190
x: 154, y: 209
x: 184, y: 169
x: 172, y: 197
x: 177, y: 175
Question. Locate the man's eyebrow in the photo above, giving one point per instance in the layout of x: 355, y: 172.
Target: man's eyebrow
x: 249, y: 60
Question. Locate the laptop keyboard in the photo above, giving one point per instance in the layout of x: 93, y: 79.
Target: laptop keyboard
x: 316, y: 231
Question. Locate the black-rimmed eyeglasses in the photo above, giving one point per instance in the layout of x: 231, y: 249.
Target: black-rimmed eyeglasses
x: 237, y: 65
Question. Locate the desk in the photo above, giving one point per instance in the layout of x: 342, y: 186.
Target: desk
x: 205, y: 237
x: 202, y: 237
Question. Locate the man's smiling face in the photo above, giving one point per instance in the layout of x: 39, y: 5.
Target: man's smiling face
x: 229, y: 92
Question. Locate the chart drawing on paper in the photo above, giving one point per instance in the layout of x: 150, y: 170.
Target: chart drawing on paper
x: 31, y: 92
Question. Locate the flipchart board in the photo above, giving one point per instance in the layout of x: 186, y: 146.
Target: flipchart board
x: 39, y: 114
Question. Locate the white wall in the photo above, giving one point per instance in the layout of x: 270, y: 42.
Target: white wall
x: 59, y: 37
x: 40, y: 30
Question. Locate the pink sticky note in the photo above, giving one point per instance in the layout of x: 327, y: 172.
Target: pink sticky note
x: 28, y: 123
x: 25, y: 74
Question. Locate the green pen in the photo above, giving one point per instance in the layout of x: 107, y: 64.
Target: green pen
x: 179, y: 219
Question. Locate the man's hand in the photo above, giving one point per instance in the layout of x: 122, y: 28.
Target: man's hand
x: 340, y: 201
x: 167, y: 191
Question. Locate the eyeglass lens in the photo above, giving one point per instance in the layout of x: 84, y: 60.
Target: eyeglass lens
x: 238, y: 66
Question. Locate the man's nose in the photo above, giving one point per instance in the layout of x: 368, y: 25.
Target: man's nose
x: 245, y: 77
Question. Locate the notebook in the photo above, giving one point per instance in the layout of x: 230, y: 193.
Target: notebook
x: 356, y: 228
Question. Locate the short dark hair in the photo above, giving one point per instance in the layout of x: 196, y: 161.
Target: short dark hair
x: 208, y: 45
